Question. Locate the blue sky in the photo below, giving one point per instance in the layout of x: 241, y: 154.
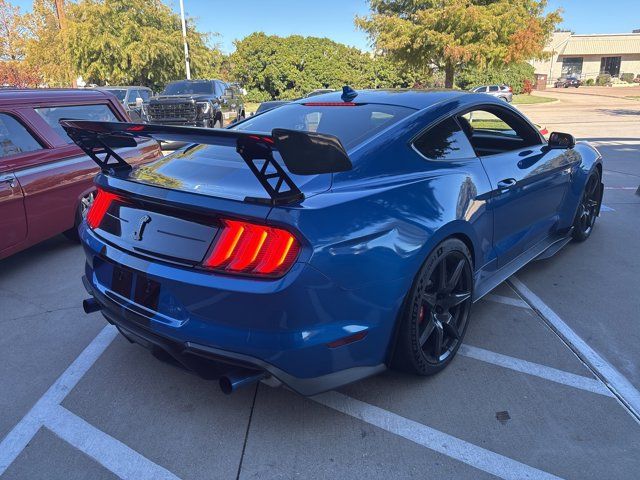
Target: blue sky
x: 334, y: 18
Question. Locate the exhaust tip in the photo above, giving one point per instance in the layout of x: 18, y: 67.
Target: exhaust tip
x: 90, y: 305
x: 226, y: 386
x: 234, y: 380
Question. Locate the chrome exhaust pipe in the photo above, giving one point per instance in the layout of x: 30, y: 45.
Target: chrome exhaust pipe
x: 90, y: 305
x: 236, y: 379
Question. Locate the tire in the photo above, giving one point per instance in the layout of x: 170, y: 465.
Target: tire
x: 588, y: 209
x: 436, y: 312
x: 81, y: 212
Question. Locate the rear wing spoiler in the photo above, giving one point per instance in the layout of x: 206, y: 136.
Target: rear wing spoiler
x: 303, y: 153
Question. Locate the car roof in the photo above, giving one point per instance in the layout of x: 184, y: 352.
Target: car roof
x: 36, y: 95
x: 121, y: 87
x: 411, y: 98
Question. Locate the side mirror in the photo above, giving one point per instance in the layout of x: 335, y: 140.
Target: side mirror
x: 561, y: 141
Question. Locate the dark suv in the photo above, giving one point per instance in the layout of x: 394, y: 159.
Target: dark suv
x: 197, y: 103
x: 134, y: 99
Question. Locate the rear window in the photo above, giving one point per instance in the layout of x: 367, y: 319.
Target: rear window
x: 351, y: 124
x: 53, y: 115
x: 14, y: 138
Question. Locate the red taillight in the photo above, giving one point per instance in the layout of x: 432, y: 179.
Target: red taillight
x: 99, y: 207
x: 253, y: 249
x: 510, y: 89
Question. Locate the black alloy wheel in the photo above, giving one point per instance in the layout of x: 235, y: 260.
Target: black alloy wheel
x: 588, y: 209
x: 438, y: 310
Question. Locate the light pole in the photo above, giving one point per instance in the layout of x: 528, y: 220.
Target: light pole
x: 184, y: 38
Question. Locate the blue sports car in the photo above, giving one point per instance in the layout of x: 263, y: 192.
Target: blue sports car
x: 329, y: 239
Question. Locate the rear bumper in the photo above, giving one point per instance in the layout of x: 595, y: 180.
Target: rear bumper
x: 281, y: 327
x: 211, y: 362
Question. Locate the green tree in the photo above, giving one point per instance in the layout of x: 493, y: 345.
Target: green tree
x: 288, y: 67
x: 45, y: 47
x: 117, y: 42
x: 447, y: 34
x: 12, y: 32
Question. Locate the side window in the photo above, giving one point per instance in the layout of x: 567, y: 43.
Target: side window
x: 144, y: 95
x: 487, y: 123
x: 494, y: 130
x: 15, y: 138
x: 131, y: 96
x: 494, y: 88
x: 445, y: 141
x: 53, y: 115
x: 219, y: 88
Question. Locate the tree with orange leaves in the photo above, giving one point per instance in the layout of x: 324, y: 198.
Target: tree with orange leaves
x: 447, y: 34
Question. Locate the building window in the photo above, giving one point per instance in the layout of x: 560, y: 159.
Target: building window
x: 610, y: 65
x: 572, y: 66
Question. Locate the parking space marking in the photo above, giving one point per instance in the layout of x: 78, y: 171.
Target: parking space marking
x: 617, y: 383
x: 453, y: 447
x: 20, y: 435
x: 604, y: 208
x: 112, y: 454
x: 535, y: 369
x: 514, y: 302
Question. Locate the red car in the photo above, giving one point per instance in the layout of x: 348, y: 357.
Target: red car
x: 46, y: 181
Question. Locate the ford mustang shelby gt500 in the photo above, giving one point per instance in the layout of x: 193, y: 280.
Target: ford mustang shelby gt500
x: 326, y: 240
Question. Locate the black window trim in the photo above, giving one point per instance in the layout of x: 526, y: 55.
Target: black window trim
x: 433, y: 125
x: 30, y: 131
x: 465, y: 109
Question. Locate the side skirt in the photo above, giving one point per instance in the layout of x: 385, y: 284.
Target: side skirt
x: 543, y: 249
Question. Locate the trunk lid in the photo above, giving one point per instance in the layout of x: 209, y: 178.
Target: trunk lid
x: 216, y: 171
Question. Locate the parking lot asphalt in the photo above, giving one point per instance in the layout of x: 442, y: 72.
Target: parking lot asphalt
x: 523, y: 399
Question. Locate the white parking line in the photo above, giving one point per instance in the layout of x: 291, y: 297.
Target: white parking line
x: 514, y: 302
x: 548, y: 373
x: 473, y: 455
x: 18, y: 438
x: 109, y: 452
x: 620, y: 386
x: 112, y: 454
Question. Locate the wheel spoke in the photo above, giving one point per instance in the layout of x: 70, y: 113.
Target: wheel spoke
x: 451, y: 329
x: 426, y: 333
x: 429, y: 298
x: 455, y: 276
x: 456, y: 299
x: 439, y: 339
x: 443, y: 273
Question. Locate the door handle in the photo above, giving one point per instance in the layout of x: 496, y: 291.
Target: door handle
x: 10, y: 179
x: 507, y: 183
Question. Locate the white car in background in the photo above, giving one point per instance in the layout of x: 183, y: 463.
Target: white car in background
x: 504, y: 92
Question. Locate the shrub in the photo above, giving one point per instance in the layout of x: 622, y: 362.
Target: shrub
x: 627, y: 77
x: 513, y: 75
x: 603, y: 79
x: 589, y: 82
x: 527, y: 87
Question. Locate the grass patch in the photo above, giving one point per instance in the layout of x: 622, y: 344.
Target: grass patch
x: 524, y: 99
x: 250, y: 107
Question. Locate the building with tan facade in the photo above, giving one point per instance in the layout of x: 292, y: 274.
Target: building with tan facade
x: 587, y: 56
